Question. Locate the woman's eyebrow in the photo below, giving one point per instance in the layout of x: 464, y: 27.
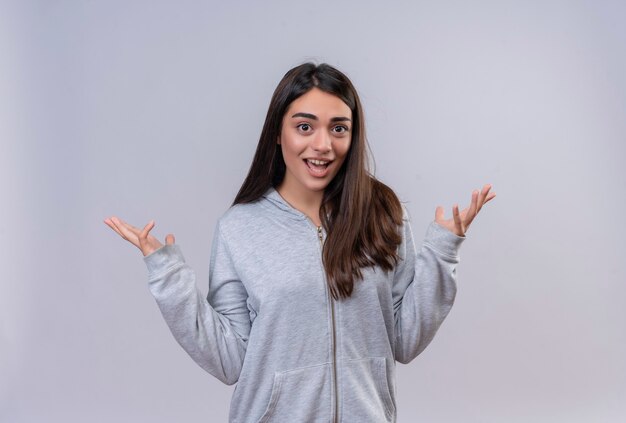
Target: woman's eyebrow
x: 305, y: 115
x: 313, y: 117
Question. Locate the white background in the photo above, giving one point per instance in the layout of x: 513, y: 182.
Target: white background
x: 152, y: 110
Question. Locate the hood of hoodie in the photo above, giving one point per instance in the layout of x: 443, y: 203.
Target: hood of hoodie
x: 274, y: 199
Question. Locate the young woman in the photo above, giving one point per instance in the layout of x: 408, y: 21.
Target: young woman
x: 315, y: 286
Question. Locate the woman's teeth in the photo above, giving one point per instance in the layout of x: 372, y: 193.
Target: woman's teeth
x: 317, y: 162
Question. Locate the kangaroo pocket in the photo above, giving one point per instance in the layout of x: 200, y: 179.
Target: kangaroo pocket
x: 365, y: 391
x: 300, y: 395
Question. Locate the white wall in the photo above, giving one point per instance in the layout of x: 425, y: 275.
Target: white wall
x: 150, y: 109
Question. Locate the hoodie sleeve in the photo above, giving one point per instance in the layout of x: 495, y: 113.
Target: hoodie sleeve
x: 214, y: 333
x: 424, y: 288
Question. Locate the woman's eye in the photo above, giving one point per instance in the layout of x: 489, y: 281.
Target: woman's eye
x: 305, y: 127
x: 340, y: 129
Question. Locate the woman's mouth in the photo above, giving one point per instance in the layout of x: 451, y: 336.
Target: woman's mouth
x: 317, y: 168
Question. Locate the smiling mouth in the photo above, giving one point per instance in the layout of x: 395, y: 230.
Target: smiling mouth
x: 317, y: 167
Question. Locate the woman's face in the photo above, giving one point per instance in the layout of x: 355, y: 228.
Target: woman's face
x: 315, y: 138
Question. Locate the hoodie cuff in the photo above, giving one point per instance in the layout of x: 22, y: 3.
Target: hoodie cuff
x: 161, y: 261
x: 442, y: 240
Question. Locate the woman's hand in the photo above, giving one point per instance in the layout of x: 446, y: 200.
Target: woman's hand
x: 140, y: 238
x: 461, y: 221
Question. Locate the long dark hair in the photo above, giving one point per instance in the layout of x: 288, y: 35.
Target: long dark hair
x: 361, y: 215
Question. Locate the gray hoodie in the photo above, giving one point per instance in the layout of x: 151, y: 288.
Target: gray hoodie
x: 270, y: 324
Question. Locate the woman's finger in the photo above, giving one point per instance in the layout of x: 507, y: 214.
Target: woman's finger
x: 458, y: 224
x: 169, y: 239
x: 122, y: 229
x: 143, y: 235
x: 490, y: 197
x: 473, y: 209
x: 128, y: 227
x: 483, y: 196
x: 125, y: 232
x: 148, y: 245
x: 111, y: 225
x: 439, y: 214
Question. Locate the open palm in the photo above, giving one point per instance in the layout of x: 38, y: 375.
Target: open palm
x: 460, y: 221
x: 140, y: 238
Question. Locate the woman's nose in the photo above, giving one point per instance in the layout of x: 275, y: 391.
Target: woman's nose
x: 321, y: 142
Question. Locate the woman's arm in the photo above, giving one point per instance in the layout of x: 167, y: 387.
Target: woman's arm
x: 213, y: 333
x: 424, y: 284
x: 424, y: 288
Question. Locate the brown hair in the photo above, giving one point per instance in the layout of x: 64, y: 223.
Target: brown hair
x: 361, y: 215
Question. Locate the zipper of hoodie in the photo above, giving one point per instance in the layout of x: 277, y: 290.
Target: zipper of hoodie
x: 334, y: 338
